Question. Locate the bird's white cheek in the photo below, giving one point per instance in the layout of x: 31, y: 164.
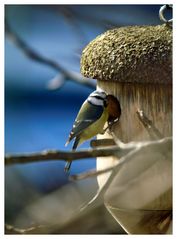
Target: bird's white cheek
x: 95, y: 101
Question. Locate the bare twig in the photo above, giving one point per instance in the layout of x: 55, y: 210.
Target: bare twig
x: 89, y: 174
x: 153, y: 132
x: 163, y: 146
x: 56, y: 83
x: 101, y: 191
x: 63, y: 155
x: 47, y: 155
x: 102, y: 142
x: 35, y: 56
x: 91, y: 19
x: 71, y: 18
x: 9, y: 229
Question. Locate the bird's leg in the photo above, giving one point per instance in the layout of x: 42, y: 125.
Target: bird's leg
x: 104, y: 129
x: 110, y: 124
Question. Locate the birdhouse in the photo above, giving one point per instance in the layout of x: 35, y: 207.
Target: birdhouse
x: 135, y: 65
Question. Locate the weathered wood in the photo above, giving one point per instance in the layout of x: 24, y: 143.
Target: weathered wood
x: 154, y: 99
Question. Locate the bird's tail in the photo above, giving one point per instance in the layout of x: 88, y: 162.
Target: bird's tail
x: 76, y: 143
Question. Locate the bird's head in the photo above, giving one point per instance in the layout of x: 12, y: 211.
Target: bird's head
x: 98, y: 97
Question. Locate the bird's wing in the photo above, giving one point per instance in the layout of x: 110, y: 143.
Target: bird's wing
x: 87, y: 115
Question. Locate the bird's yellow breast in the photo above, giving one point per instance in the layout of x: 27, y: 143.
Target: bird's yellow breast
x: 94, y: 128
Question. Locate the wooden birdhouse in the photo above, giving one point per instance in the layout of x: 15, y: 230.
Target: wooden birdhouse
x: 135, y: 65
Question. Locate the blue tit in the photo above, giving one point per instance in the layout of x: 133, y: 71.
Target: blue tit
x: 97, y: 109
x: 90, y: 120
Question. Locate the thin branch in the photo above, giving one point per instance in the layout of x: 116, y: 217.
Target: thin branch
x: 72, y: 20
x: 163, y: 147
x: 153, y: 132
x: 47, y: 155
x: 91, y: 19
x: 56, y: 82
x: 101, y: 191
x: 35, y: 56
x: 9, y: 229
x: 89, y: 174
x: 102, y: 142
x: 63, y: 155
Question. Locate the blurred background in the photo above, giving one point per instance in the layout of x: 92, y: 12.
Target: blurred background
x: 41, y: 104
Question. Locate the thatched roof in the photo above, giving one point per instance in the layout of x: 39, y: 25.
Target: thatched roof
x: 141, y: 54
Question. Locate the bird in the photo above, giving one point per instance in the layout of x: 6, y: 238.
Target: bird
x: 96, y: 110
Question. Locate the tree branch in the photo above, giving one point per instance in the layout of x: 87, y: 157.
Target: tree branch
x: 9, y: 229
x: 91, y: 19
x: 102, y: 142
x: 89, y: 174
x: 153, y: 132
x: 63, y: 155
x: 163, y: 147
x: 35, y: 56
x: 47, y: 155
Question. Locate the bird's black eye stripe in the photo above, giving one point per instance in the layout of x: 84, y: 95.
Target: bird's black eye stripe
x: 98, y: 97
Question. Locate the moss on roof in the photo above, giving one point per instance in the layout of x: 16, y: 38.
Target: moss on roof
x: 140, y: 54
